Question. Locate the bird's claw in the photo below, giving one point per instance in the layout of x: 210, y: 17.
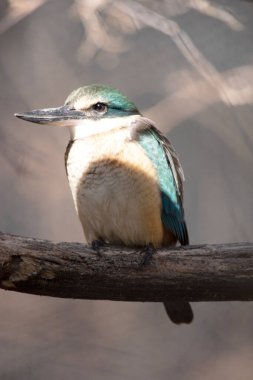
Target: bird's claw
x: 96, y: 245
x: 148, y: 251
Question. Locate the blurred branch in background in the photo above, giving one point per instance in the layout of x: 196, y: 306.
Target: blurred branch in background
x: 15, y: 10
x: 192, y: 95
x: 11, y: 12
x: 217, y: 12
x: 130, y: 16
x: 72, y: 270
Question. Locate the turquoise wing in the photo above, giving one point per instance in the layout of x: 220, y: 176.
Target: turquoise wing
x: 170, y: 175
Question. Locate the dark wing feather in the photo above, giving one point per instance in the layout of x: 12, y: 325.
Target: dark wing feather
x: 173, y: 160
x: 170, y: 175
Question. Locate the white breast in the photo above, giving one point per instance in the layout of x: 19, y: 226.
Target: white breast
x: 115, y: 190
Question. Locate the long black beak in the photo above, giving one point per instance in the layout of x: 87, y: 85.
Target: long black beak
x: 64, y: 116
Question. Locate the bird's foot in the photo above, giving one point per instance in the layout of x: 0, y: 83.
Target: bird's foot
x: 148, y: 251
x: 96, y: 245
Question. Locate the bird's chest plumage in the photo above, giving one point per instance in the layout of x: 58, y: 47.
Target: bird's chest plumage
x: 115, y: 189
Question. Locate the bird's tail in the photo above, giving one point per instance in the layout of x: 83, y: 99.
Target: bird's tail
x: 179, y: 312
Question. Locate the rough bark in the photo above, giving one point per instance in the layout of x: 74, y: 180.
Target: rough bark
x: 71, y: 270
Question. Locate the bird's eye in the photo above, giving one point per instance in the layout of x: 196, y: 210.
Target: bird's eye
x: 99, y: 107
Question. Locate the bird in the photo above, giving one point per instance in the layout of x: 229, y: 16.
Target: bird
x: 124, y: 174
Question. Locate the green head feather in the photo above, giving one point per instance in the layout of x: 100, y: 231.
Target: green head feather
x: 117, y: 103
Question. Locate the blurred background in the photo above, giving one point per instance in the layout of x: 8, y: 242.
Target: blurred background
x: 188, y: 65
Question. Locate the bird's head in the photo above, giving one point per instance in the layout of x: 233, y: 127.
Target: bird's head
x: 88, y: 110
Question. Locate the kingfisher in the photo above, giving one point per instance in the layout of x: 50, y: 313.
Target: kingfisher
x: 125, y: 176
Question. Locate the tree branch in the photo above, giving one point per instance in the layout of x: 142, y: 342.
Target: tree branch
x: 71, y: 270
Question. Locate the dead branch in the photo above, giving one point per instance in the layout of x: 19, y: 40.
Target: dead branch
x: 71, y: 270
